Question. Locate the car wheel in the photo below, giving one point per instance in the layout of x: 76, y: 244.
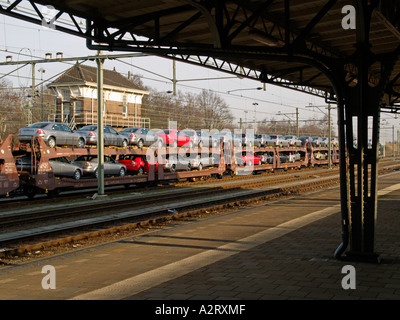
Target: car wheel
x: 51, y: 142
x: 140, y: 144
x: 121, y: 172
x: 77, y: 174
x: 124, y: 143
x: 200, y: 166
x: 81, y: 143
x: 173, y: 169
x: 189, y: 168
x: 96, y: 174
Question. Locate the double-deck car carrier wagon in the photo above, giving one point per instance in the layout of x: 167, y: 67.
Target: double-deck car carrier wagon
x: 39, y: 177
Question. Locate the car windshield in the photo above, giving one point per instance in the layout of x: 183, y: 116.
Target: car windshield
x: 223, y: 134
x: 129, y: 157
x: 164, y: 132
x: 38, y: 125
x: 88, y: 128
x: 130, y: 130
x: 201, y: 133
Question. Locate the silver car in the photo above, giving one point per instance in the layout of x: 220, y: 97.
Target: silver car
x: 177, y: 162
x: 228, y: 137
x: 246, y: 139
x: 141, y: 137
x: 64, y: 168
x: 320, y: 142
x: 279, y: 140
x: 89, y: 165
x: 265, y: 140
x: 267, y: 158
x: 200, y: 162
x: 293, y: 141
x: 53, y: 133
x: 111, y: 136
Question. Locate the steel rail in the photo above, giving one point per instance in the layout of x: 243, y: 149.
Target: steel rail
x: 162, y: 211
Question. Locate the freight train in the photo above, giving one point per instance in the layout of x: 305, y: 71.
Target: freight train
x: 29, y: 168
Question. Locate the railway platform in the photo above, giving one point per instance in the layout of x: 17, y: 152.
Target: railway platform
x: 282, y: 250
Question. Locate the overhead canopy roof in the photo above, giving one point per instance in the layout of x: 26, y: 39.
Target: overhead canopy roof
x: 285, y: 42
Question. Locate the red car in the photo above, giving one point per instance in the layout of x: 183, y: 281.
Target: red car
x: 250, y: 159
x: 135, y: 163
x: 175, y: 138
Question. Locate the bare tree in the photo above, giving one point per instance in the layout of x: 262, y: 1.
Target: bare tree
x: 214, y: 111
x: 12, y: 114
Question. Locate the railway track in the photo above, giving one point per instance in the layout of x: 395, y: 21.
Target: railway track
x: 31, y: 215
x: 112, y: 216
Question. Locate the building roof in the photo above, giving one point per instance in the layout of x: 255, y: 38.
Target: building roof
x: 86, y: 75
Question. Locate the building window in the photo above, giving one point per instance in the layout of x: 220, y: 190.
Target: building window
x: 78, y: 107
x: 125, y: 106
x: 124, y: 112
x: 65, y: 94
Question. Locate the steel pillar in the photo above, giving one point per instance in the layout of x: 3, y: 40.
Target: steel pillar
x: 359, y: 119
x: 362, y: 123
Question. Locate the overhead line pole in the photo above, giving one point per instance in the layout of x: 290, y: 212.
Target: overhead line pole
x: 100, y: 125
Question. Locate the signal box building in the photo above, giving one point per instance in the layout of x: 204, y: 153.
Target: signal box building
x: 76, y: 95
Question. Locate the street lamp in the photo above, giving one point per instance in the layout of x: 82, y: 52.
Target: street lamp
x: 41, y: 70
x: 255, y: 104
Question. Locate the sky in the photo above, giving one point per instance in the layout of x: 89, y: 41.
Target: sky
x: 26, y: 41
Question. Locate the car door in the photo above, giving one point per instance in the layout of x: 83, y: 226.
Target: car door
x: 107, y: 137
x: 60, y: 166
x: 149, y: 136
x: 69, y: 135
x: 108, y: 165
x: 115, y: 137
x: 58, y: 133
